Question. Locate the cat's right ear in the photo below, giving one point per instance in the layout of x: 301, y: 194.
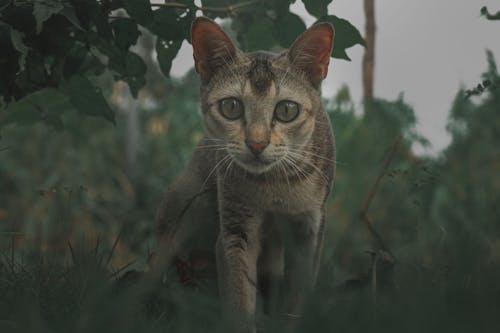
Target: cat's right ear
x: 212, y: 47
x: 311, y: 51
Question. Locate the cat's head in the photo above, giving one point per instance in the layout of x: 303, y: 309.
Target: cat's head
x: 261, y: 107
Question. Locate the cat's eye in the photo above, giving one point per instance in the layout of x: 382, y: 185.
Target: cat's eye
x: 286, y: 111
x: 231, y: 108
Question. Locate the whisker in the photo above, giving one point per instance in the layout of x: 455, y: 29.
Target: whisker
x: 282, y: 169
x: 212, y: 149
x: 217, y: 140
x: 294, y: 148
x: 302, y: 152
x: 223, y: 160
x: 227, y: 168
x: 320, y: 172
x: 298, y: 171
x: 210, y: 146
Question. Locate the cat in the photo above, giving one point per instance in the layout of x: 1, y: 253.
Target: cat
x: 260, y: 176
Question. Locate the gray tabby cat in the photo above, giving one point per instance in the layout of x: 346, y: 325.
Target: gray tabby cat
x: 262, y: 171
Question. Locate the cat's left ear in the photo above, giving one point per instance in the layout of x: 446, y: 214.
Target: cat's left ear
x: 212, y: 47
x: 311, y: 52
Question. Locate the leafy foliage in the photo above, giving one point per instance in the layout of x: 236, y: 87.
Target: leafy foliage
x: 490, y: 16
x: 67, y: 45
x: 438, y: 215
x: 317, y: 8
x: 43, y: 10
x: 487, y: 83
x: 346, y: 36
x: 86, y: 98
x: 490, y: 79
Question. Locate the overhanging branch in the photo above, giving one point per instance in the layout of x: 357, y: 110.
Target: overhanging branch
x: 492, y: 17
x: 229, y: 10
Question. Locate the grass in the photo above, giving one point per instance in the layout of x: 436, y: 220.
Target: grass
x: 85, y: 295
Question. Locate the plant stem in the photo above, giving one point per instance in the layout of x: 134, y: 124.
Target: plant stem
x: 364, y: 210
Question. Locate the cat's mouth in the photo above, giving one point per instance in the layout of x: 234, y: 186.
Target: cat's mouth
x: 255, y: 164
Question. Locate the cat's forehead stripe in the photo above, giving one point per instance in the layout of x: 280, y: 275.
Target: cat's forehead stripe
x: 249, y: 90
x: 260, y: 74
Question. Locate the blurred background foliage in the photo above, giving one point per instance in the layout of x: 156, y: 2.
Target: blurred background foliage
x: 79, y: 193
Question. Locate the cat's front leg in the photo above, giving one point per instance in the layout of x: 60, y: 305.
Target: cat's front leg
x: 302, y: 258
x: 237, y: 253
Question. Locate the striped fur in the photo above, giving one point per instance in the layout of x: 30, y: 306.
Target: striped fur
x: 267, y: 211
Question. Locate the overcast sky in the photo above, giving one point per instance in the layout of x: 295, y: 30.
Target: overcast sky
x: 424, y: 48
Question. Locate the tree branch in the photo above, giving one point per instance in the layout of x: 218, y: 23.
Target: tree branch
x: 363, y: 213
x: 488, y: 15
x: 229, y: 10
x: 369, y: 56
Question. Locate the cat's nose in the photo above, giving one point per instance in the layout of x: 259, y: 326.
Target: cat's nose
x: 257, y: 147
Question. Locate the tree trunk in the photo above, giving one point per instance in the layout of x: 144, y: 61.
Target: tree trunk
x: 369, y: 57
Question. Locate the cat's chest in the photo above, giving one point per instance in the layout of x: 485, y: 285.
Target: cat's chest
x: 285, y: 197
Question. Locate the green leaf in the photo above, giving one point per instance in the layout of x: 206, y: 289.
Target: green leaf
x: 135, y: 83
x: 317, y: 8
x: 16, y: 39
x: 87, y: 98
x: 114, y: 55
x: 135, y: 71
x: 43, y: 10
x: 281, y: 7
x: 75, y: 57
x: 21, y: 112
x: 105, y: 51
x: 100, y: 20
x: 69, y: 12
x: 346, y: 36
x: 166, y: 52
x: 258, y: 36
x: 125, y: 32
x: 134, y: 64
x: 46, y: 105
x: 126, y: 65
x: 170, y: 25
x: 139, y: 10
x: 288, y: 28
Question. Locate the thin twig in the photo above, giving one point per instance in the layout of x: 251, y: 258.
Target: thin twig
x: 121, y: 269
x: 492, y: 17
x: 72, y: 252
x: 363, y: 213
x: 113, y: 248
x: 13, y: 248
x: 191, y: 201
x: 97, y: 244
x: 5, y: 258
x: 375, y: 257
x: 229, y: 10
